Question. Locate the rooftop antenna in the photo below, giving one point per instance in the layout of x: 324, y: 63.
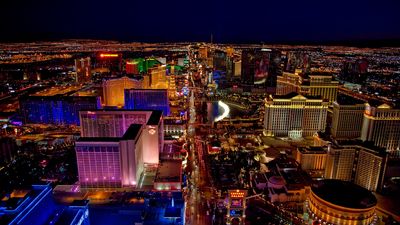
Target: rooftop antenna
x: 211, y: 38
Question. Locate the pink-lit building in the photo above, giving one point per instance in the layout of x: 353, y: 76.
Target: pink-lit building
x: 114, y: 123
x: 111, y: 162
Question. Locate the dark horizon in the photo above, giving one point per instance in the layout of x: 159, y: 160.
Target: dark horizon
x: 361, y: 43
x: 294, y: 22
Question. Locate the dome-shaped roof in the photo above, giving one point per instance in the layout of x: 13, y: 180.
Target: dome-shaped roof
x: 277, y: 180
x: 344, y: 193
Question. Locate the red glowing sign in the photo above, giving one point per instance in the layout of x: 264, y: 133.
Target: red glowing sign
x: 108, y: 55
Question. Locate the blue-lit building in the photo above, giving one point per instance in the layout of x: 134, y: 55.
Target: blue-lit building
x: 57, y: 109
x: 36, y: 206
x: 147, y: 99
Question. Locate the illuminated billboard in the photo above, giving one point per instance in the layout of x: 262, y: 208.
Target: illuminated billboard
x: 236, y: 206
x: 237, y: 203
x: 261, y: 68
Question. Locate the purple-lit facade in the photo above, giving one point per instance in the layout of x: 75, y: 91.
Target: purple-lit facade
x: 99, y: 164
x: 147, y: 99
x: 114, y: 123
x: 59, y: 110
x: 110, y: 163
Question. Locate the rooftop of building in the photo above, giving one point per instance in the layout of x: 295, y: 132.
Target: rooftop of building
x: 277, y: 180
x: 169, y: 171
x: 357, y: 142
x: 58, y: 90
x: 319, y: 73
x: 296, y: 179
x: 135, y: 78
x: 148, y: 90
x: 343, y: 99
x: 16, y: 198
x: 294, y: 94
x: 260, y: 178
x: 284, y: 162
x: 155, y: 117
x: 70, y: 214
x: 132, y: 132
x: 15, y: 206
x: 86, y: 93
x: 291, y: 172
x: 382, y: 104
x: 312, y: 150
x: 344, y: 194
x: 171, y: 151
x: 98, y: 139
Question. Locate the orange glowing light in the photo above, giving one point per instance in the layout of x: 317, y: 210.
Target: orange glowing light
x: 104, y: 55
x: 237, y: 194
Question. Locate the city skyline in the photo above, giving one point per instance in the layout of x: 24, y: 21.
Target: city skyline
x: 209, y: 112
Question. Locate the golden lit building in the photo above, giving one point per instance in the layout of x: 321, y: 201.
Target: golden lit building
x: 348, y: 115
x: 382, y: 126
x: 294, y: 115
x: 321, y: 85
x: 237, y: 71
x: 340, y: 202
x: 356, y: 163
x: 203, y: 52
x: 287, y: 83
x: 113, y: 90
x: 158, y: 77
x: 311, y: 158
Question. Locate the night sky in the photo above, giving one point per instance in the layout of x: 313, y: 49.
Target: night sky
x: 244, y: 21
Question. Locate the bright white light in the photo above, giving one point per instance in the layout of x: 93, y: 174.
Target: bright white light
x: 225, y: 113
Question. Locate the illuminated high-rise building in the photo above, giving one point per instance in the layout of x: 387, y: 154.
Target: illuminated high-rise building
x: 382, y: 126
x: 158, y: 78
x: 58, y: 105
x: 311, y: 158
x: 320, y: 85
x: 317, y: 84
x: 237, y: 71
x: 288, y: 83
x: 114, y: 123
x: 203, y: 52
x: 111, y: 162
x: 260, y: 68
x: 131, y: 67
x: 297, y: 60
x: 219, y: 60
x: 113, y: 90
x: 83, y: 70
x: 355, y: 71
x: 348, y: 115
x: 294, y: 115
x: 356, y: 163
x: 147, y: 99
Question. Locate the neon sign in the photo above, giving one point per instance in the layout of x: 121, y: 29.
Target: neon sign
x: 106, y: 55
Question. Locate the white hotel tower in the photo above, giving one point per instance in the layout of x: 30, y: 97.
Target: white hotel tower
x: 294, y: 115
